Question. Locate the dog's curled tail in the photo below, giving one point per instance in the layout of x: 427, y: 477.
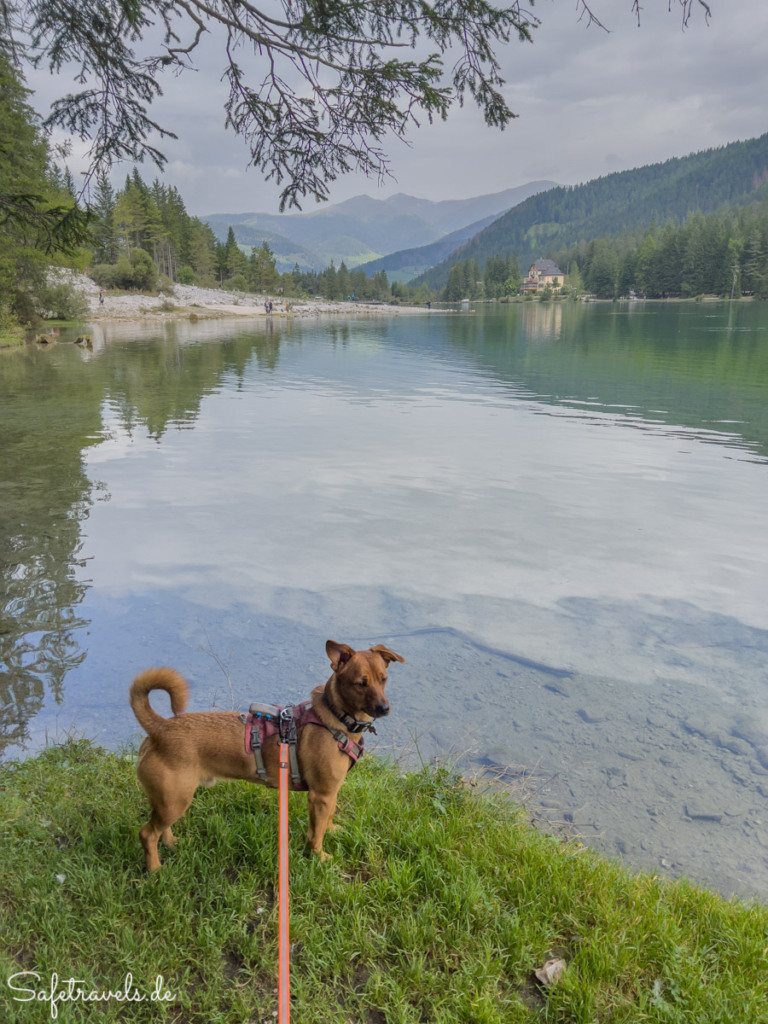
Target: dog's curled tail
x: 168, y: 679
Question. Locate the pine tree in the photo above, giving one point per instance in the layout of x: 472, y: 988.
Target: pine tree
x: 202, y: 251
x: 26, y: 190
x: 130, y: 217
x: 331, y: 284
x: 138, y: 183
x: 69, y: 183
x: 262, y: 273
x: 155, y: 238
x: 104, y: 229
x: 604, y: 269
x: 343, y: 281
x: 454, y: 290
x: 645, y: 266
x: 753, y: 262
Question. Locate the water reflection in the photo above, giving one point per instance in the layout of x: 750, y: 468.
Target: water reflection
x: 694, y: 365
x: 51, y: 413
x: 557, y: 510
x: 542, y: 321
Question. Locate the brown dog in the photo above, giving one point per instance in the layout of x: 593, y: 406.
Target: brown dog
x: 185, y: 751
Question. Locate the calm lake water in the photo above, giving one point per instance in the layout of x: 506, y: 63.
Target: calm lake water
x: 556, y: 513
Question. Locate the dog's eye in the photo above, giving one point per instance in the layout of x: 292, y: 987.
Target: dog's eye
x: 363, y: 682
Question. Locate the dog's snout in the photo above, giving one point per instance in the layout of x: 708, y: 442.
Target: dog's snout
x: 382, y: 709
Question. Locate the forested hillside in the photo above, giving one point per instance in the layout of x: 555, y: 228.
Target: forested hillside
x: 725, y: 254
x: 627, y: 201
x: 406, y: 264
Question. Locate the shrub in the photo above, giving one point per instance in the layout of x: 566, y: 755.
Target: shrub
x: 144, y: 270
x: 58, y: 300
x: 103, y: 274
x: 236, y: 284
x: 186, y: 275
x: 133, y: 272
x: 11, y: 331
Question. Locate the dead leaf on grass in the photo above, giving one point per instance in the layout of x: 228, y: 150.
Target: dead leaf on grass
x: 551, y: 972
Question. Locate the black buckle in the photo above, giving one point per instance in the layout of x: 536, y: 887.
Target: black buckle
x: 287, y: 726
x: 348, y: 720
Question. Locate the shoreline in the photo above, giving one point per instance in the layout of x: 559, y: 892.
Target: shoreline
x: 186, y: 302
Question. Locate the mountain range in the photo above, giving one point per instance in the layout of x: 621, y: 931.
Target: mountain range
x: 362, y: 230
x: 711, y: 180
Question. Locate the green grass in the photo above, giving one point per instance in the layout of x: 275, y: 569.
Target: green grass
x: 11, y: 340
x: 436, y: 907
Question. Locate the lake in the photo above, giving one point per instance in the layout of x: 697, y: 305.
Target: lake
x: 555, y: 512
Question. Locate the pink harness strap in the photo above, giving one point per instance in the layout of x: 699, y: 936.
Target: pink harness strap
x: 303, y: 714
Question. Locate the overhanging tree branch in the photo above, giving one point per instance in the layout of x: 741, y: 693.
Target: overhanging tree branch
x: 315, y: 86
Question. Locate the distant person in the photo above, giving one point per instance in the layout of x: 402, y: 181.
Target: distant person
x: 287, y: 307
x: 266, y: 306
x: 429, y: 304
x: 101, y: 298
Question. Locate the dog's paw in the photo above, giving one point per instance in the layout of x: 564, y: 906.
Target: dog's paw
x: 335, y: 827
x: 325, y: 856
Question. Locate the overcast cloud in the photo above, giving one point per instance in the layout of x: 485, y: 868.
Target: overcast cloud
x: 589, y: 103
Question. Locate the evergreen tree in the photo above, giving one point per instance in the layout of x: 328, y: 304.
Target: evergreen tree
x: 645, y: 266
x: 105, y: 250
x: 454, y: 290
x: 31, y: 205
x: 262, y: 273
x: 202, y: 252
x: 603, y: 270
x: 69, y: 183
x: 331, y: 290
x: 237, y: 263
x: 753, y: 262
x: 130, y: 217
x: 343, y: 282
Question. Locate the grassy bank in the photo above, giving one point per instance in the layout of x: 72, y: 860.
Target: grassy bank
x: 11, y: 340
x: 436, y: 907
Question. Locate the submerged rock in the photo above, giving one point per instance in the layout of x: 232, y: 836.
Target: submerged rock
x: 590, y: 716
x: 753, y: 728
x: 700, y: 809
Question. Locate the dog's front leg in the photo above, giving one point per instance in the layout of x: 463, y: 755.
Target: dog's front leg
x: 322, y: 807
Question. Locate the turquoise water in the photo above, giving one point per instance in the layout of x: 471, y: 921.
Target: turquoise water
x: 556, y: 513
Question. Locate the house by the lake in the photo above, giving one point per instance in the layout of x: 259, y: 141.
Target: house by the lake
x: 541, y: 274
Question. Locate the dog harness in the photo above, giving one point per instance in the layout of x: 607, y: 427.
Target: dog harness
x: 265, y: 720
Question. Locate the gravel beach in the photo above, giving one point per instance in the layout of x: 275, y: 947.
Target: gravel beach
x: 213, y: 302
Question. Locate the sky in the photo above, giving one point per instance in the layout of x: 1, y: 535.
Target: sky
x: 590, y: 102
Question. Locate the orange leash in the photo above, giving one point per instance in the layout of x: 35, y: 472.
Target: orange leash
x: 284, y: 949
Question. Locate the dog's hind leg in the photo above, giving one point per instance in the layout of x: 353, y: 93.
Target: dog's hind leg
x: 169, y: 838
x: 169, y: 799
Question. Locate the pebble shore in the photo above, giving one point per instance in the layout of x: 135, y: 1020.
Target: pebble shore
x: 213, y: 302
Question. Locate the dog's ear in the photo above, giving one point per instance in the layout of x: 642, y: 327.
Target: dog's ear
x: 386, y: 654
x: 338, y: 653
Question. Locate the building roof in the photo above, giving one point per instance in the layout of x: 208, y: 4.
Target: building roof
x: 547, y: 267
